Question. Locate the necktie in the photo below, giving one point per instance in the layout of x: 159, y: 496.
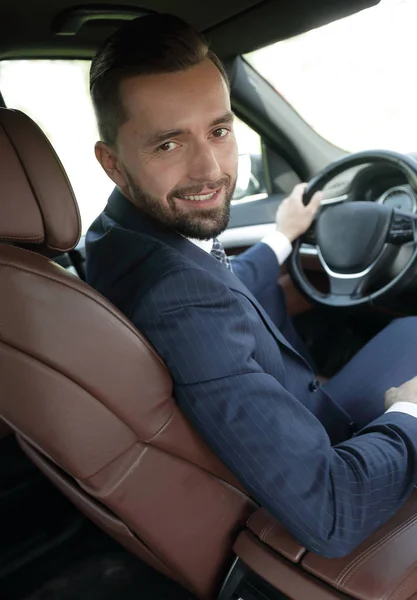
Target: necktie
x: 218, y: 252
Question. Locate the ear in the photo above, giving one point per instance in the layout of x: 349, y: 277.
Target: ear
x: 110, y: 163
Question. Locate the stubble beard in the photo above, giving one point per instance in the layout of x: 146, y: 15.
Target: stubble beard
x: 198, y: 224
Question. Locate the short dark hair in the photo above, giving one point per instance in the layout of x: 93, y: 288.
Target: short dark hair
x: 148, y: 45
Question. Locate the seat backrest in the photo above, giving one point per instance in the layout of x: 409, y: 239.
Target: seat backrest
x: 4, y: 430
x: 90, y: 400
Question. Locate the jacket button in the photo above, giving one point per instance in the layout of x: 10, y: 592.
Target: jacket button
x: 314, y: 385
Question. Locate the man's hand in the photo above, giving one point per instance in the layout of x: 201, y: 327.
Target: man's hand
x: 293, y: 218
x: 407, y: 392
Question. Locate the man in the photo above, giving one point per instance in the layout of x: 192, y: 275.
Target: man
x: 326, y: 461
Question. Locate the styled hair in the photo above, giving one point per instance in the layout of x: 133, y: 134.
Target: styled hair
x: 149, y: 45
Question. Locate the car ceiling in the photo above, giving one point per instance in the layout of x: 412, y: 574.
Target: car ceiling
x: 29, y: 29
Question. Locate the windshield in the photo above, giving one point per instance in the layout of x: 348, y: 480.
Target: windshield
x: 355, y: 80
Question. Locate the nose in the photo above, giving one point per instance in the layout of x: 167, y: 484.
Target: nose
x: 203, y: 163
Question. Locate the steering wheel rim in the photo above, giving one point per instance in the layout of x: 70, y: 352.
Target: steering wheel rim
x: 405, y: 164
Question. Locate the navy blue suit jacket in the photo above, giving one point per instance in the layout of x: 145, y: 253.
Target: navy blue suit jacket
x: 244, y: 387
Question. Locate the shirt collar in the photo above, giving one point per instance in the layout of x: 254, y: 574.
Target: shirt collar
x: 206, y: 245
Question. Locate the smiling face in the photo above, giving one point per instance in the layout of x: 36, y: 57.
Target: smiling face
x: 176, y: 154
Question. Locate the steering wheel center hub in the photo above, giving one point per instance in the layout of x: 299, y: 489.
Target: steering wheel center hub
x: 351, y: 236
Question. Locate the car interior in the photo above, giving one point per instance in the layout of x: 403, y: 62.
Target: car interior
x: 106, y: 491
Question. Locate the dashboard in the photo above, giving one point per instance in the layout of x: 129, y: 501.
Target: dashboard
x: 400, y: 197
x: 374, y: 183
x: 385, y: 186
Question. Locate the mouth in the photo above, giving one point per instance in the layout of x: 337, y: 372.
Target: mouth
x: 200, y: 200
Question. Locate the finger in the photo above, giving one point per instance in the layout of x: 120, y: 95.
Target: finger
x: 315, y: 202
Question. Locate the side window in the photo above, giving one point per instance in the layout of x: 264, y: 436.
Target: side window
x: 55, y: 94
x: 250, y: 178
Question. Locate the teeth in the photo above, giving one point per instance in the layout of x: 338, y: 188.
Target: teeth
x: 200, y: 198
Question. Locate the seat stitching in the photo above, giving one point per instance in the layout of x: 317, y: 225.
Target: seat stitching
x: 105, y: 492
x: 268, y: 530
x: 351, y: 568
x: 170, y: 418
x: 264, y: 528
x: 404, y: 584
x: 20, y: 237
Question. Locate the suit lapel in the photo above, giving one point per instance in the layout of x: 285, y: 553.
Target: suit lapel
x: 120, y: 209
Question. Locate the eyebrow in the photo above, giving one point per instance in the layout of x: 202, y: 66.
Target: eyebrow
x: 161, y: 136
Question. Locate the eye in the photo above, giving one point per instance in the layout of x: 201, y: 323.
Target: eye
x: 167, y: 146
x: 221, y: 132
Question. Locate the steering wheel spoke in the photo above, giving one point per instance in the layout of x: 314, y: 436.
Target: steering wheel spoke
x: 346, y: 288
x: 327, y: 201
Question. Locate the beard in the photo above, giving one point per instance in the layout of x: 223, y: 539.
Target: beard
x: 201, y: 224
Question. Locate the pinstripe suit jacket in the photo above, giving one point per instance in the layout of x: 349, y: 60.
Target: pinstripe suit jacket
x: 246, y: 389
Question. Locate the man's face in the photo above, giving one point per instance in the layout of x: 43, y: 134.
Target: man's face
x: 177, y: 152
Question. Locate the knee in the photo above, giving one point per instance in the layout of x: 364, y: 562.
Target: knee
x: 405, y: 321
x: 403, y: 324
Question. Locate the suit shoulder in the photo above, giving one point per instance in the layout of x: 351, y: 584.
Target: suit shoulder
x: 125, y: 266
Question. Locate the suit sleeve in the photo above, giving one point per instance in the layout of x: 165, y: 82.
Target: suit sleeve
x: 329, y: 498
x: 258, y: 268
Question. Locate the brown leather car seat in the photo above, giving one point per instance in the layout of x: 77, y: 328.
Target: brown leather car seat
x: 4, y: 430
x: 89, y: 399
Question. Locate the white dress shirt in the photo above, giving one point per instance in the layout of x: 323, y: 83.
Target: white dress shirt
x: 282, y: 247
x: 277, y: 241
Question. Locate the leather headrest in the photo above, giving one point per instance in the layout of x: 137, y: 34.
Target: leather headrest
x: 38, y: 209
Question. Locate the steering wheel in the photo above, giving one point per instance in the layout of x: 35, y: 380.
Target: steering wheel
x: 356, y: 240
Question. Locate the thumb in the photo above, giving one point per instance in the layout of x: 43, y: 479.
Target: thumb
x: 391, y: 397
